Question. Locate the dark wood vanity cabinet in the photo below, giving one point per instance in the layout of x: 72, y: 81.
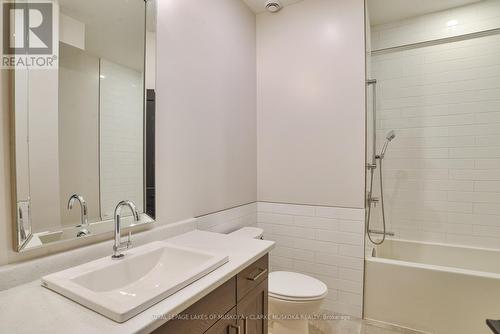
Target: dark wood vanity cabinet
x: 239, y: 306
x: 251, y: 292
x: 227, y: 325
x: 251, y: 310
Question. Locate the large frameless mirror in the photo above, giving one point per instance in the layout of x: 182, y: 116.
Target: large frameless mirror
x: 84, y: 131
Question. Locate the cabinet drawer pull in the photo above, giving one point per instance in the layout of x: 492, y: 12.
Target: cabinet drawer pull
x: 258, y: 276
x: 238, y: 328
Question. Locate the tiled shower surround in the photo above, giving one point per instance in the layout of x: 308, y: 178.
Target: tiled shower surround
x: 323, y: 242
x: 442, y: 172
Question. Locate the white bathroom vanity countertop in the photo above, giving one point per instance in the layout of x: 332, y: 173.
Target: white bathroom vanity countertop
x: 31, y: 308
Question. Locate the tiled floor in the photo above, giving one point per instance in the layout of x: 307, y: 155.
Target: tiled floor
x: 347, y: 325
x: 330, y: 323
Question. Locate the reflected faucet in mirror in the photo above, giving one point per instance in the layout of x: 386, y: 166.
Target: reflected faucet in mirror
x: 119, y: 245
x: 97, y: 76
x: 84, y: 221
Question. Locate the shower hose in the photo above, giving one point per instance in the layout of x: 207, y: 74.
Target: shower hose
x: 369, y: 212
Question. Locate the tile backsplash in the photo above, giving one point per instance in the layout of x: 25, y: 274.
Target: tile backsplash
x: 229, y: 220
x: 323, y: 242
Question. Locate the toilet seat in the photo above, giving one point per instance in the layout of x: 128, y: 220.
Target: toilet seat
x: 295, y: 299
x: 296, y: 287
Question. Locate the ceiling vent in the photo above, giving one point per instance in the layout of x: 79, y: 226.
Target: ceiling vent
x: 273, y: 6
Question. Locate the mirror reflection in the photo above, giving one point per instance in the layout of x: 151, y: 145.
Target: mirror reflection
x: 76, y: 162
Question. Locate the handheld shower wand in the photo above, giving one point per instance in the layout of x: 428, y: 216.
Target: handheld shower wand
x: 388, y: 138
x: 372, y: 200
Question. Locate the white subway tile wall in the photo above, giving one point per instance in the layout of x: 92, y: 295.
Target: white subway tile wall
x: 480, y: 16
x: 442, y: 172
x: 229, y: 220
x: 121, y: 140
x: 324, y: 242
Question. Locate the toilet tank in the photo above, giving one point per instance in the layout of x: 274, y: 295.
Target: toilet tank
x: 249, y: 232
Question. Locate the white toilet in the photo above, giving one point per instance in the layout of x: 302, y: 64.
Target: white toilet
x: 293, y: 297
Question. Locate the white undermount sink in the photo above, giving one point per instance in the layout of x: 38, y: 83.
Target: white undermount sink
x: 121, y: 289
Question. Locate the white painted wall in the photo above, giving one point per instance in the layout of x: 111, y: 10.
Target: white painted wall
x: 311, y: 104
x: 206, y: 127
x: 442, y: 172
x: 43, y: 136
x: 44, y: 148
x: 71, y: 31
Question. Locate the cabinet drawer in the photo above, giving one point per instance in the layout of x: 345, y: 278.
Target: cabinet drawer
x: 252, y: 276
x: 204, y: 314
x: 253, y: 310
x: 227, y: 325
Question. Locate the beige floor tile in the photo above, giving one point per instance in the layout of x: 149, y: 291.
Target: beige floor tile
x: 334, y: 324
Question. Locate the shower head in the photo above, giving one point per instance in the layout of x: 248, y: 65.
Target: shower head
x: 273, y: 6
x: 388, y: 138
x: 390, y: 135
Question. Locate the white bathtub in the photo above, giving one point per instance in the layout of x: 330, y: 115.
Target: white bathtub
x: 434, y: 288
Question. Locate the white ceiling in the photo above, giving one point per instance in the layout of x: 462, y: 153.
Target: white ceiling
x: 259, y: 6
x: 385, y: 11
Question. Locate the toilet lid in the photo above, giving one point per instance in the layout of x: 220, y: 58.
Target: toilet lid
x: 295, y: 286
x: 248, y: 232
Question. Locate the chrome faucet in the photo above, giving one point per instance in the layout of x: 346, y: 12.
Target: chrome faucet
x: 84, y: 222
x: 119, y: 246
